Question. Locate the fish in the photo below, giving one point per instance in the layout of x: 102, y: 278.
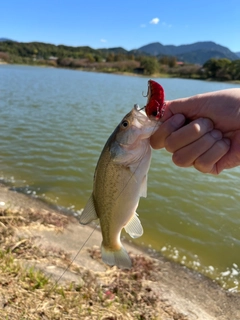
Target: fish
x: 120, y: 179
x: 155, y: 102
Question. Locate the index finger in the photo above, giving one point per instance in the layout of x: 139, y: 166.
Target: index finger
x: 175, y: 122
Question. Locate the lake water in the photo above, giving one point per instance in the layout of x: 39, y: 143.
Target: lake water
x: 54, y: 123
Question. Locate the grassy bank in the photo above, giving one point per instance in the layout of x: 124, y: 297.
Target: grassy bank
x: 26, y: 292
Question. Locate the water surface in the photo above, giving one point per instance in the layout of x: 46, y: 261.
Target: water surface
x: 54, y: 123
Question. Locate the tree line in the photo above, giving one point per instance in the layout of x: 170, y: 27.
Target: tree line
x: 115, y: 60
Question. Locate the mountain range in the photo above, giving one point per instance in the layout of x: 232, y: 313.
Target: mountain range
x: 197, y: 53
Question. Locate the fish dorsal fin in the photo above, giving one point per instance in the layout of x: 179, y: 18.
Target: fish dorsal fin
x: 134, y: 227
x: 143, y: 188
x: 89, y: 213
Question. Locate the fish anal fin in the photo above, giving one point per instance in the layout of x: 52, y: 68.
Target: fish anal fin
x: 134, y: 227
x: 119, y: 258
x: 89, y: 213
x: 143, y: 188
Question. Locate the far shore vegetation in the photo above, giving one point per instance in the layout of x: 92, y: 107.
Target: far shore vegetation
x: 116, y: 60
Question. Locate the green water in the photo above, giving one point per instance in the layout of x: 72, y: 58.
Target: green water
x: 54, y: 124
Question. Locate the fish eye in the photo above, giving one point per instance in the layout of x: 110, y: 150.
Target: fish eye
x: 124, y: 123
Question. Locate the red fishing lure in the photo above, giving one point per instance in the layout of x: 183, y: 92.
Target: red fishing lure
x: 155, y: 102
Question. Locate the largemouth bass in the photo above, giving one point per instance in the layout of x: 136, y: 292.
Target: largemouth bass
x: 120, y: 179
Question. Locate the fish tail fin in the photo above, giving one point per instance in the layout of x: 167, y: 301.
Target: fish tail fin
x: 119, y: 258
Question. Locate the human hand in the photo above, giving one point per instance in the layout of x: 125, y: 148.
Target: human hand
x: 210, y: 141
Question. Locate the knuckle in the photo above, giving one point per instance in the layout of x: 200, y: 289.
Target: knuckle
x: 180, y: 161
x: 169, y: 145
x: 207, y: 164
x: 202, y: 125
x: 215, y: 134
x: 202, y: 166
x: 211, y: 137
x: 156, y: 142
x: 163, y: 137
x: 223, y: 146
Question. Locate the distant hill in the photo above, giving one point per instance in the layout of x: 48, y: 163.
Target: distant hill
x: 4, y: 39
x: 198, y: 52
x: 118, y: 50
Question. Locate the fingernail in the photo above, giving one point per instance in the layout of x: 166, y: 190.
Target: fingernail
x: 178, y: 120
x: 216, y: 134
x: 227, y: 141
x: 208, y: 123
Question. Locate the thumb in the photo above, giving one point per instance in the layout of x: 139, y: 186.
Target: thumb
x: 186, y: 106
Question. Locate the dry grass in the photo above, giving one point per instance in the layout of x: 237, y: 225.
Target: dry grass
x: 28, y: 293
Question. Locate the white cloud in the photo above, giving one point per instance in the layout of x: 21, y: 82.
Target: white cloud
x: 103, y: 40
x: 154, y: 21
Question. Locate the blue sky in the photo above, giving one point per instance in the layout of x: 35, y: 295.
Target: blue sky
x: 124, y: 23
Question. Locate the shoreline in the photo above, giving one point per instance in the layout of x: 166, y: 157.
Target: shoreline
x: 181, y: 293
x: 130, y: 74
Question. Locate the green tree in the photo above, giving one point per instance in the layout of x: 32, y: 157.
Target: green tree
x: 90, y: 57
x: 98, y: 58
x: 150, y: 65
x: 168, y: 61
x: 110, y: 57
x: 120, y: 57
x: 235, y: 70
x: 217, y: 68
x: 172, y: 61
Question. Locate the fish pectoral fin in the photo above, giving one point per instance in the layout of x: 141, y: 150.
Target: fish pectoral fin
x: 134, y: 227
x: 119, y: 258
x: 143, y: 188
x: 89, y: 213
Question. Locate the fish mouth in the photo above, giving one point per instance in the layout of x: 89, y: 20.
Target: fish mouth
x: 141, y: 129
x: 142, y: 117
x: 137, y: 107
x: 139, y: 110
x: 140, y: 114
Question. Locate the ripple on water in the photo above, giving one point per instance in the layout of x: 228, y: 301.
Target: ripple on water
x: 54, y: 124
